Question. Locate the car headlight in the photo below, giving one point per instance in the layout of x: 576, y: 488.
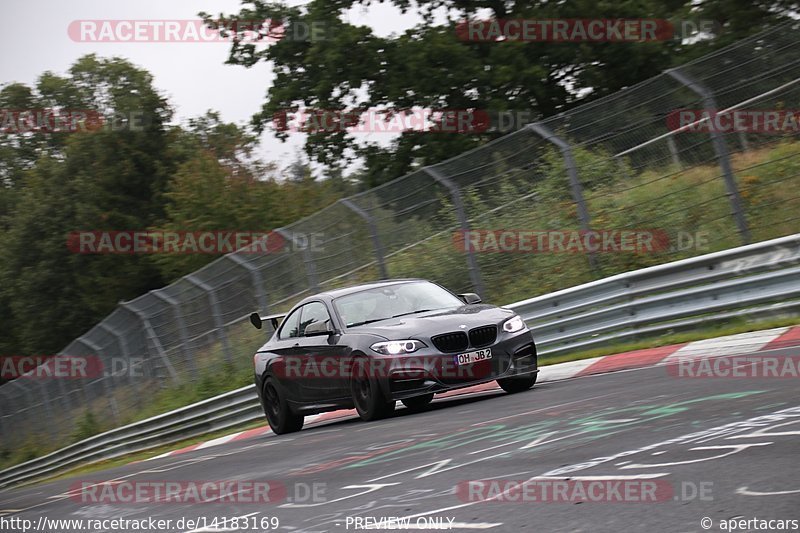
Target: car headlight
x: 514, y: 324
x: 398, y: 347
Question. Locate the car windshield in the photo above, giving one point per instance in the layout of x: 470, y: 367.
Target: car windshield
x: 380, y: 303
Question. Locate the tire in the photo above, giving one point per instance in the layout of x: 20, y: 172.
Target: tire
x: 367, y: 396
x: 417, y: 403
x: 280, y: 416
x: 518, y: 383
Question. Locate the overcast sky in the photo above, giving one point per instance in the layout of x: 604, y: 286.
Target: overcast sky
x: 192, y: 75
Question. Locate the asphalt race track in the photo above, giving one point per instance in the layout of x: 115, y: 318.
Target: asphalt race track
x: 719, y: 448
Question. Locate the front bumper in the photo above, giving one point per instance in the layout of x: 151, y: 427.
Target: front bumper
x: 429, y: 370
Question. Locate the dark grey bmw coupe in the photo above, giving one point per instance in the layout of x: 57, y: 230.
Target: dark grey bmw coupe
x: 371, y: 345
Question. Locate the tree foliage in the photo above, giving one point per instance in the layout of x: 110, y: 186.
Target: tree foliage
x: 156, y: 175
x: 428, y: 66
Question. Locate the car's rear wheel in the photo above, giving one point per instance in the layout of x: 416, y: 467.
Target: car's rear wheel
x: 517, y: 383
x: 367, y: 396
x: 280, y: 416
x: 418, y: 402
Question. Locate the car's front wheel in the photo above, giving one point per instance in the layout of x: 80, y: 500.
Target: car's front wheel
x: 280, y: 416
x: 418, y: 402
x: 517, y: 383
x: 367, y: 396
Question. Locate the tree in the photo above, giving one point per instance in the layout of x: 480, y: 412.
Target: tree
x: 428, y: 66
x: 219, y: 187
x: 136, y: 172
x: 113, y: 177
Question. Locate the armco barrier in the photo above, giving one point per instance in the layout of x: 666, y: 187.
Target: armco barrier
x: 757, y: 278
x: 706, y: 288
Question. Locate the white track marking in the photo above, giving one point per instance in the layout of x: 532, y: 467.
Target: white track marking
x: 369, y: 487
x: 734, y: 449
x: 605, y: 478
x: 730, y: 345
x: 215, y: 442
x: 745, y: 492
x: 761, y: 432
x: 565, y: 370
x: 449, y: 526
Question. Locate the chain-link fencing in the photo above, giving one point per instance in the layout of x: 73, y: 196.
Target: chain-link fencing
x: 618, y: 163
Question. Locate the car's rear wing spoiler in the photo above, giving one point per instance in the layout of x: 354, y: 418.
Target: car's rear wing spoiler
x: 258, y: 320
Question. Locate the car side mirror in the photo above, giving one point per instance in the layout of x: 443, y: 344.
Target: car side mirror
x: 318, y: 328
x: 470, y: 298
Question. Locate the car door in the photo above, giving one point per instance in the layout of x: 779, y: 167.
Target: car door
x: 321, y: 355
x: 285, y: 366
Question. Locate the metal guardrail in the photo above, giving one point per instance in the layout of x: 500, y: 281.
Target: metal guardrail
x: 707, y: 288
x: 752, y: 279
x: 214, y: 414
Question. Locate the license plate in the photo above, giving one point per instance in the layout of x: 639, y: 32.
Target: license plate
x: 473, y: 357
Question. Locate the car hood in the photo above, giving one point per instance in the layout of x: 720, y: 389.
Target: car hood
x: 431, y: 323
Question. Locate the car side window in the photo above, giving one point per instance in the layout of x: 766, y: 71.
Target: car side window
x: 313, y: 312
x: 291, y: 325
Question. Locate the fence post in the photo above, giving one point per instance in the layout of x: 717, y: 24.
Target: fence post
x: 308, y: 260
x: 3, y: 432
x: 258, y: 280
x: 216, y: 313
x: 82, y: 394
x: 48, y: 405
x: 65, y: 399
x: 673, y: 151
x: 720, y: 149
x: 126, y: 353
x: 743, y: 141
x: 621, y: 166
x: 458, y: 204
x: 29, y: 401
x: 373, y: 229
x: 50, y: 422
x: 112, y: 401
x: 153, y: 338
x: 574, y: 183
x: 176, y: 312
